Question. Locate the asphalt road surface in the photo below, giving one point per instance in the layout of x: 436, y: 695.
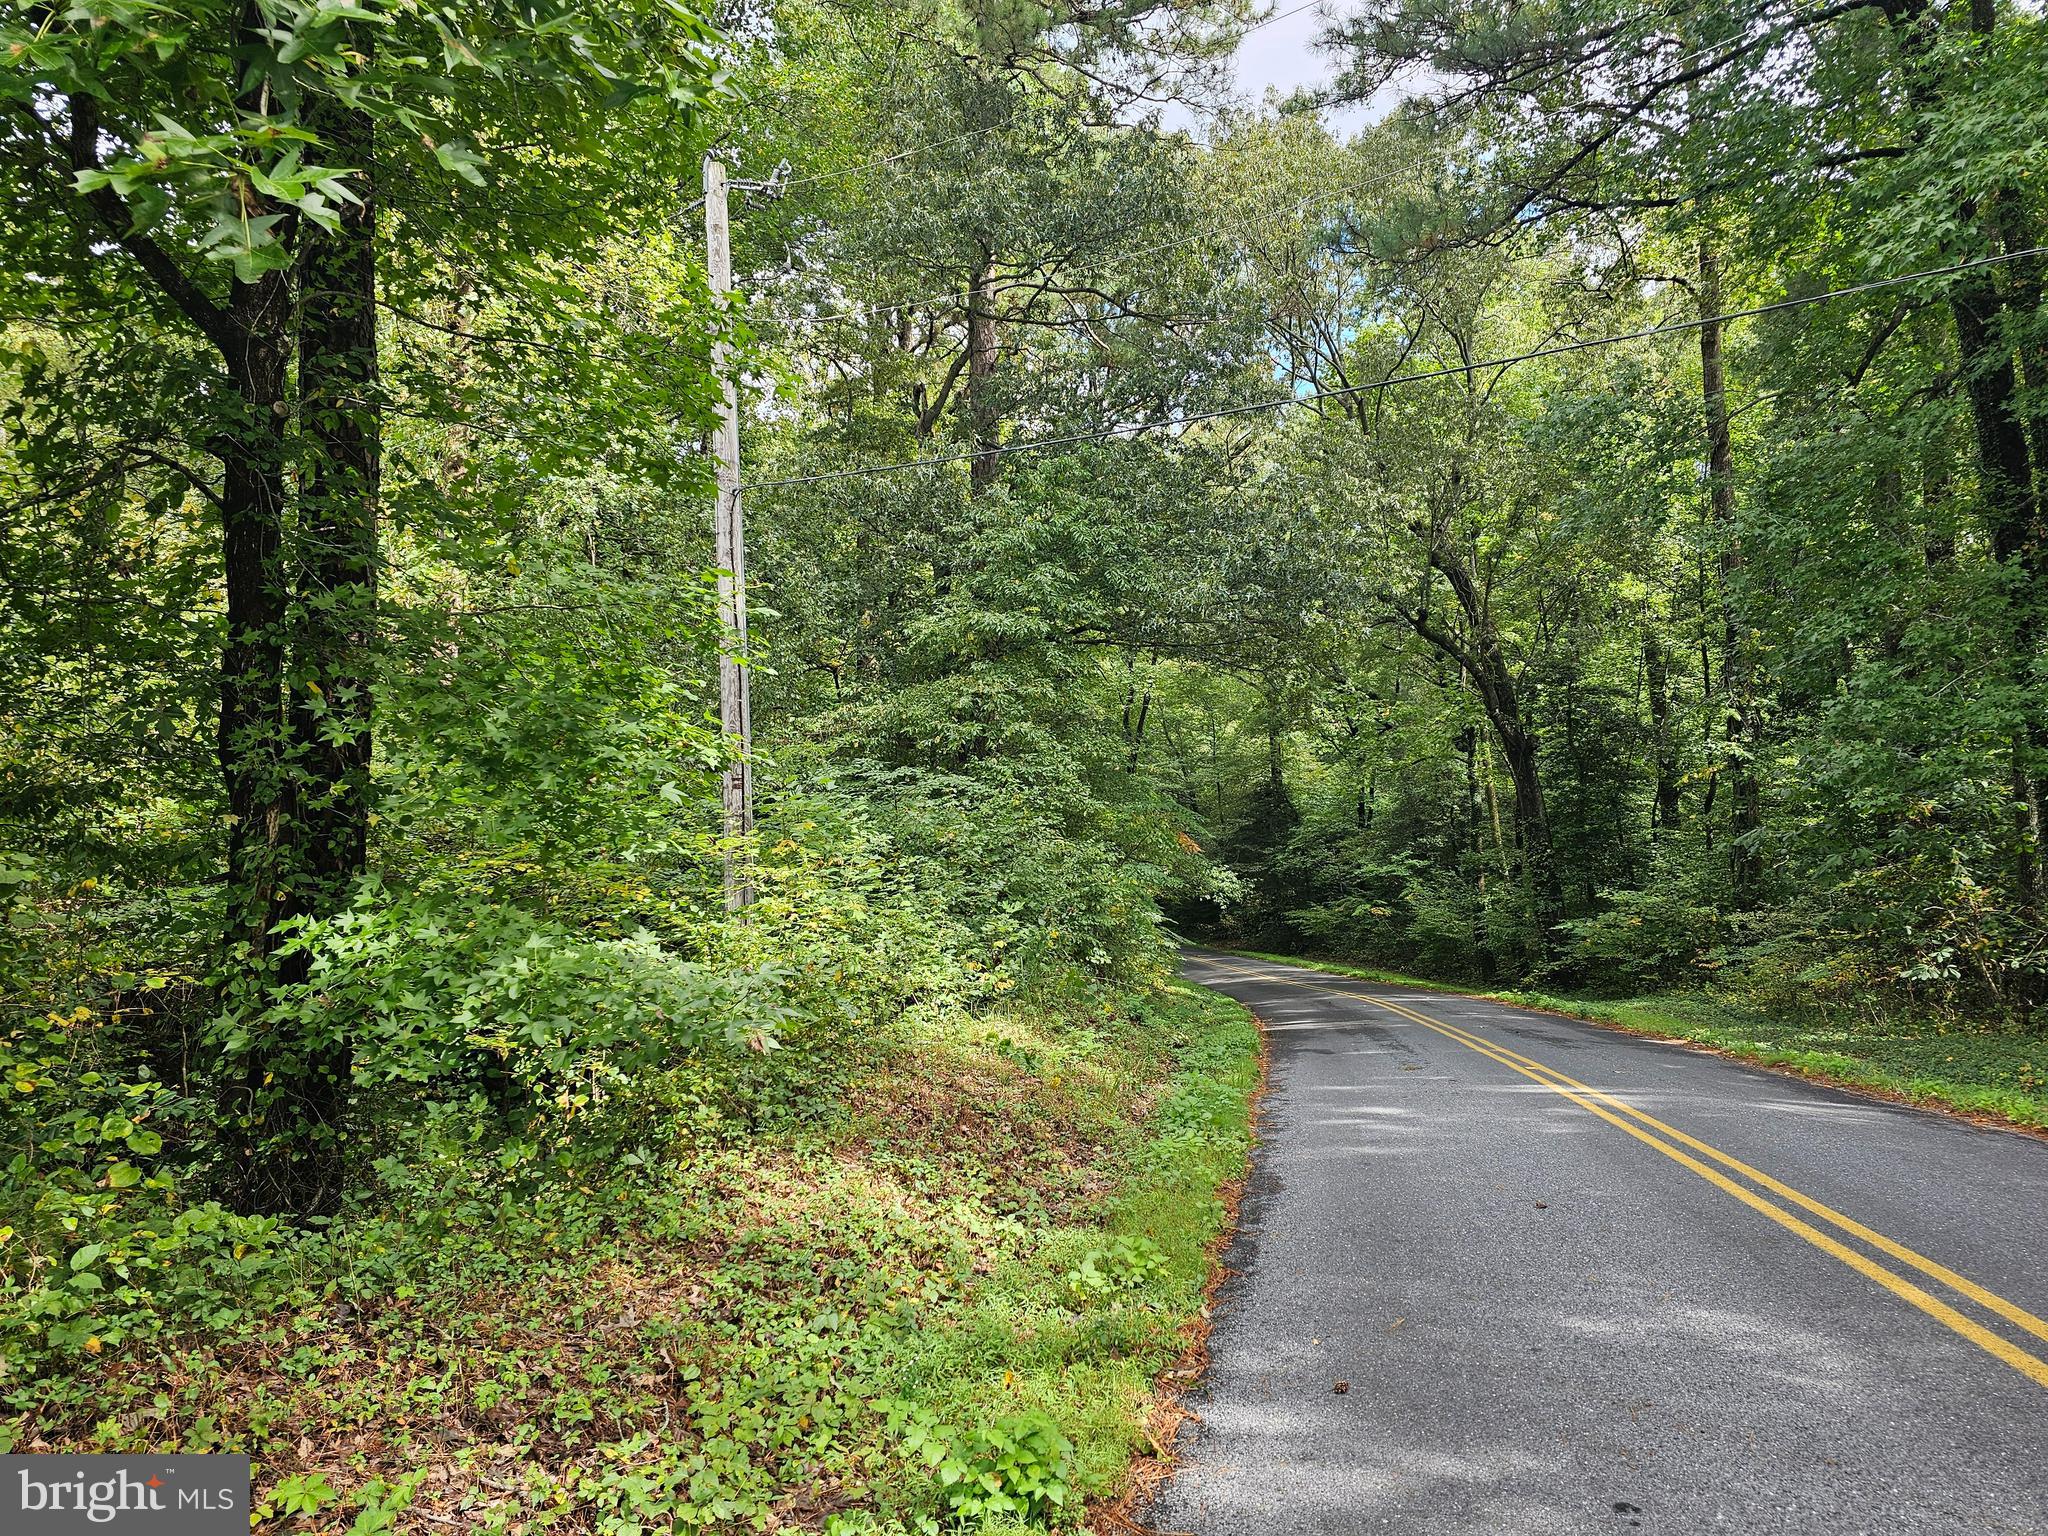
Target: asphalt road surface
x: 1577, y: 1281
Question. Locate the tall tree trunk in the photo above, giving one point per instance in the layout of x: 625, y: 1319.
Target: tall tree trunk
x: 1134, y: 729
x: 265, y: 864
x: 1467, y: 744
x: 2004, y: 405
x: 981, y: 373
x: 2012, y: 518
x: 262, y: 816
x: 338, y: 383
x: 1276, y: 767
x: 1480, y: 652
x: 1664, y: 811
x: 298, y: 1087
x: 268, y: 742
x: 2018, y: 534
x: 2000, y: 421
x: 251, y: 333
x: 1500, y: 842
x: 1519, y: 746
x: 1737, y: 673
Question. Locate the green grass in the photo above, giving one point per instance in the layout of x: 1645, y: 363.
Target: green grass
x: 1978, y: 1070
x: 978, y: 1254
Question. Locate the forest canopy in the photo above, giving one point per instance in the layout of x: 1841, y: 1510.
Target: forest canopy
x: 1578, y: 523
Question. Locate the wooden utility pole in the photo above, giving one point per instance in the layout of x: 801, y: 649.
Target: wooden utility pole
x: 735, y: 709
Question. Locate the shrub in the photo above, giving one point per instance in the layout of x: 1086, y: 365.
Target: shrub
x: 1020, y: 1468
x: 1127, y: 1264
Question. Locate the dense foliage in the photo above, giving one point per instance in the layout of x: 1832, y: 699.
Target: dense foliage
x: 1711, y: 653
x: 1484, y: 542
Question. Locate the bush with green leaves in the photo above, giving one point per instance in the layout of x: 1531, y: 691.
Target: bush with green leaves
x: 1018, y: 1469
x: 511, y: 1010
x: 99, y: 1242
x: 1665, y: 933
x: 1125, y: 1264
x: 1040, y: 873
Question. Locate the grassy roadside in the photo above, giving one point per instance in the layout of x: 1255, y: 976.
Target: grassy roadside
x: 944, y: 1300
x: 1991, y: 1073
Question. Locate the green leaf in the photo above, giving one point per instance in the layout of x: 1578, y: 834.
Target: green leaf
x: 461, y: 159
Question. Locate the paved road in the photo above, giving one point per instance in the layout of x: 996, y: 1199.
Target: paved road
x: 1556, y: 1315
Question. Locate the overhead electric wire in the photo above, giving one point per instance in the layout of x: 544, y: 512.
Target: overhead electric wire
x: 974, y: 133
x: 1282, y: 402
x: 865, y: 311
x: 1278, y: 16
x: 1301, y: 204
x: 1298, y: 206
x: 905, y: 154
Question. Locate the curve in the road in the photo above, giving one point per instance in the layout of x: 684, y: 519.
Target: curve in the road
x: 1460, y: 1304
x: 1584, y: 1095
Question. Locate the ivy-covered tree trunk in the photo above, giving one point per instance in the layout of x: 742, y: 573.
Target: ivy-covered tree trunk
x: 297, y: 1085
x: 263, y: 770
x: 294, y: 723
x: 246, y: 431
x: 262, y: 818
x: 338, y: 382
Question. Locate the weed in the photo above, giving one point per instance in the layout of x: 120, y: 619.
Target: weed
x: 1019, y: 1468
x: 1127, y: 1264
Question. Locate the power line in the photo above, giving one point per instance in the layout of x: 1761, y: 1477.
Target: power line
x: 574, y: 351
x: 866, y: 311
x: 579, y: 351
x: 1281, y: 16
x: 1298, y: 206
x: 907, y: 154
x: 1281, y: 402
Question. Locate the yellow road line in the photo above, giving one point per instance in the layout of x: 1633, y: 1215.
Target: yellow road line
x: 1990, y: 1300
x: 1593, y: 1100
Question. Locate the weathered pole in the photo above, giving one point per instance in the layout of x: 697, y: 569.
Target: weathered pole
x: 735, y: 709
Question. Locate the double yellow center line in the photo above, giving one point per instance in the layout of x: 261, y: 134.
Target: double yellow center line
x: 1679, y: 1147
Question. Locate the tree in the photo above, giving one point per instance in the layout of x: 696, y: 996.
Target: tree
x: 1899, y: 124
x: 241, y: 175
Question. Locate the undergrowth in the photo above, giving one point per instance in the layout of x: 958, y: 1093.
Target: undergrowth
x: 934, y: 1300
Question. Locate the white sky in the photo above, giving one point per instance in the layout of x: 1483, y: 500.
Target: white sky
x: 1279, y: 58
